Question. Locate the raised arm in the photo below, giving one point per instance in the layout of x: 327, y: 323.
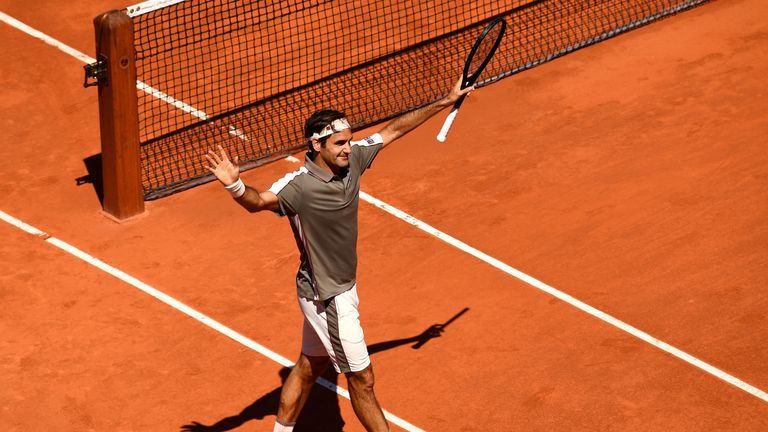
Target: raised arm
x: 228, y: 173
x: 409, y: 121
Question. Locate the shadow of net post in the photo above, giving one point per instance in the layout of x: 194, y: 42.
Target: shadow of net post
x: 94, y: 176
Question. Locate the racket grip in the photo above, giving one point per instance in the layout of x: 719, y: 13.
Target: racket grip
x: 447, y: 124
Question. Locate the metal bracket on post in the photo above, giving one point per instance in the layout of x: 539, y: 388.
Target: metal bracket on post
x: 96, y: 71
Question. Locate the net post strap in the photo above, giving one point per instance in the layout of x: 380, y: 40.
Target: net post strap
x: 149, y: 6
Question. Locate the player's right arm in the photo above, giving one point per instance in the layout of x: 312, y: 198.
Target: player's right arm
x: 254, y: 201
x: 228, y: 173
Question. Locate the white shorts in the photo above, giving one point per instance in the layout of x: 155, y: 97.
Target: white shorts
x: 332, y: 328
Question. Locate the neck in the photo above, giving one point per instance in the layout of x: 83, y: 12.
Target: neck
x: 320, y: 162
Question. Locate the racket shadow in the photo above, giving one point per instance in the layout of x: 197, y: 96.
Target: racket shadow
x: 321, y: 412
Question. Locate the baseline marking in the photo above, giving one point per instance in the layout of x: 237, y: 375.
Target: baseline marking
x: 183, y: 308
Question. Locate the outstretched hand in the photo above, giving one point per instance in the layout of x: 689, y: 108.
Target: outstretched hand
x: 457, y: 91
x: 226, y: 170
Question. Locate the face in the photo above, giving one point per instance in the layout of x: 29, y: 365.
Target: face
x: 335, y: 153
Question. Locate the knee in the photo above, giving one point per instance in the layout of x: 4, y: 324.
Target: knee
x: 310, y: 367
x: 362, y: 380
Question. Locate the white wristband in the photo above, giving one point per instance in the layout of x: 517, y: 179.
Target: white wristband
x: 237, y: 189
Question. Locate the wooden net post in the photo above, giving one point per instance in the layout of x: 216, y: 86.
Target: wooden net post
x: 118, y: 116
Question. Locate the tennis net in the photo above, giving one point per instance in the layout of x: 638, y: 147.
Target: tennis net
x: 246, y: 74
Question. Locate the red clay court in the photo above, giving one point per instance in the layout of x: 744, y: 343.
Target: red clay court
x: 602, y: 218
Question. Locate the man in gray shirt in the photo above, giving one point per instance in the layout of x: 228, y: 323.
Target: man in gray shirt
x: 321, y: 201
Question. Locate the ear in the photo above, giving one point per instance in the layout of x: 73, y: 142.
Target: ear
x: 316, y: 145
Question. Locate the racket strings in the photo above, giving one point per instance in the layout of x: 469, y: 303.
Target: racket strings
x: 484, y: 50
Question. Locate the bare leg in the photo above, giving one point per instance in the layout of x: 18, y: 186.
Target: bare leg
x: 364, y: 400
x: 297, y: 386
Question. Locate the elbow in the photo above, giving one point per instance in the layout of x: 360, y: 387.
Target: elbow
x: 259, y: 207
x: 254, y: 208
x: 250, y: 207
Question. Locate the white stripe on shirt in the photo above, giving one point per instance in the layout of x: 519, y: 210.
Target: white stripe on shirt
x: 371, y: 140
x: 283, y: 182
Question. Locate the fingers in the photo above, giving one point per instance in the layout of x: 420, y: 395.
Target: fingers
x: 217, y: 159
x: 212, y: 162
x: 213, y: 158
x: 223, y: 153
x: 457, y: 91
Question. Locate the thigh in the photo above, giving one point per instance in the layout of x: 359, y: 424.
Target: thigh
x: 346, y: 332
x: 312, y: 345
x: 335, y: 324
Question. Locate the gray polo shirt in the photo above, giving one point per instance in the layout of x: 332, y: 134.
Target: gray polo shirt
x: 322, y: 209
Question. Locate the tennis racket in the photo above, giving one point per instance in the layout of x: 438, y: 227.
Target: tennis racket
x: 482, y: 51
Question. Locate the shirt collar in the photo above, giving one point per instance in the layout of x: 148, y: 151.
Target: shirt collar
x: 316, y: 171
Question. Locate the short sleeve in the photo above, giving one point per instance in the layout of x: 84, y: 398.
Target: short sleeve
x: 288, y: 191
x: 365, y: 151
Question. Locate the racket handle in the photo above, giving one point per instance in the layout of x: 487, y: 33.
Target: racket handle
x: 449, y: 120
x: 447, y: 125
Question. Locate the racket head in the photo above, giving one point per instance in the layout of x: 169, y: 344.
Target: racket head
x: 482, y: 51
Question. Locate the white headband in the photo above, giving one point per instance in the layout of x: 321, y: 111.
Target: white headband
x: 337, y: 125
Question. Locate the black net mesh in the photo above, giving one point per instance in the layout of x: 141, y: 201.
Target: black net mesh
x: 246, y: 74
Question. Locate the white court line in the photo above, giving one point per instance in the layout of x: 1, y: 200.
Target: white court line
x: 183, y: 308
x: 13, y: 22
x: 754, y: 391
x: 146, y: 88
x: 520, y: 275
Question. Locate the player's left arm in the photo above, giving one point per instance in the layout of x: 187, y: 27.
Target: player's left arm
x: 409, y: 121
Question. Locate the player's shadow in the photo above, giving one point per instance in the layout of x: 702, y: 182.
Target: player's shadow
x: 321, y: 412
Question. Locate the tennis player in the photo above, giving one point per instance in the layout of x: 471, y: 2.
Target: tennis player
x: 320, y: 200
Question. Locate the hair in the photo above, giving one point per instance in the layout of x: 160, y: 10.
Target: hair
x: 316, y: 122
